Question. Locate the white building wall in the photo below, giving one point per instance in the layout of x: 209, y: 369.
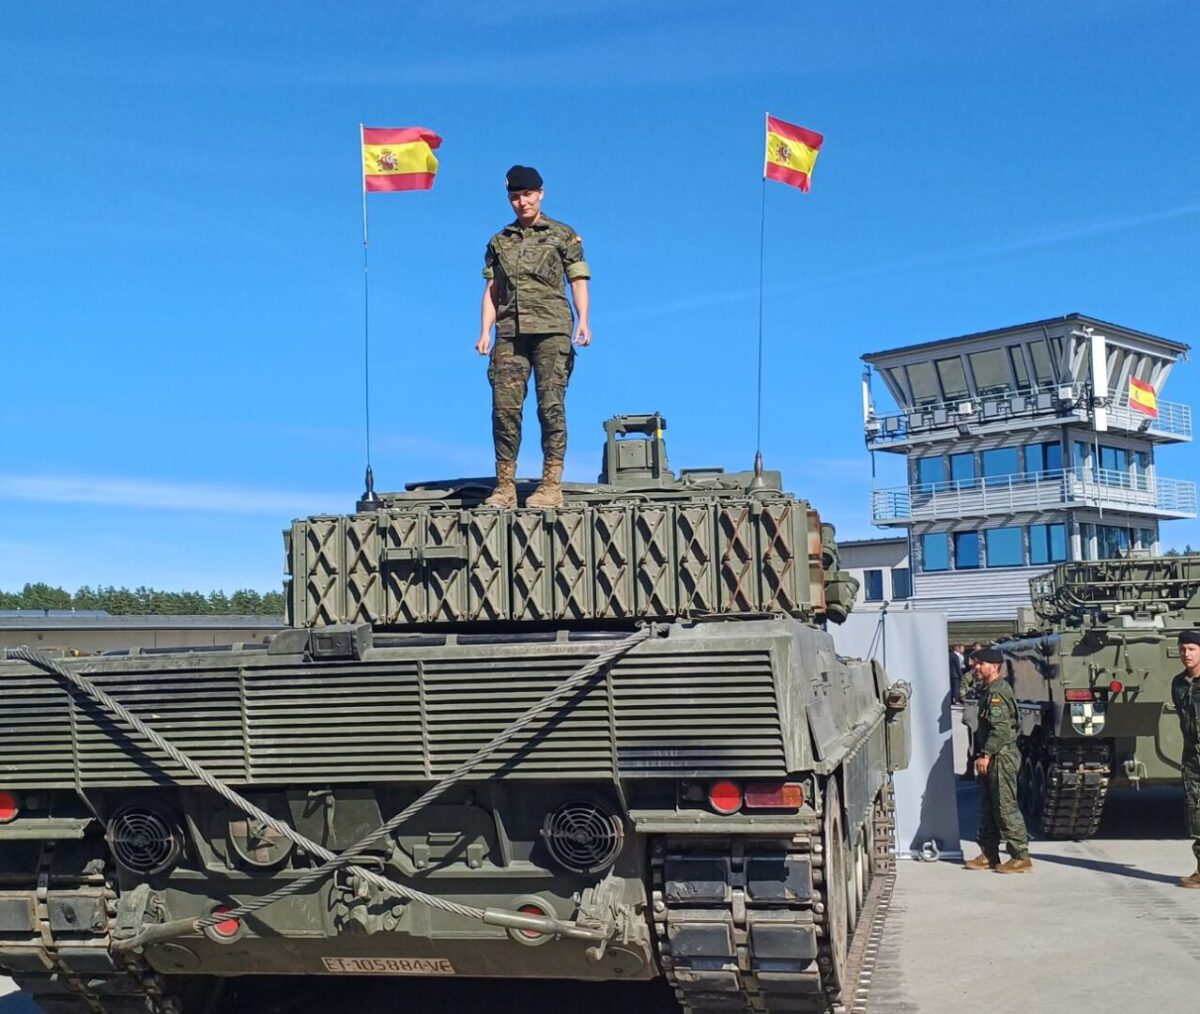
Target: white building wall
x: 994, y: 594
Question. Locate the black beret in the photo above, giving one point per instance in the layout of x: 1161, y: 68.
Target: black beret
x: 1189, y: 637
x: 523, y: 177
x: 993, y: 655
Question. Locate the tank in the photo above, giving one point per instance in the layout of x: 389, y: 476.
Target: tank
x: 607, y: 741
x: 1093, y: 684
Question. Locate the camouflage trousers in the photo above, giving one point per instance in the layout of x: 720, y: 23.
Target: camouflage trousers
x: 999, y: 816
x: 1191, y: 804
x: 551, y: 358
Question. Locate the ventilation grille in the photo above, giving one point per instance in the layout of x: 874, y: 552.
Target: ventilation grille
x: 665, y: 711
x: 144, y: 840
x: 582, y: 836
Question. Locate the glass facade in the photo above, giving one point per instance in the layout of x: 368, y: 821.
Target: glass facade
x: 1005, y: 547
x: 966, y: 550
x: 962, y: 469
x: 990, y: 371
x: 931, y: 470
x: 954, y: 381
x: 935, y: 551
x: 1043, y: 461
x: 999, y: 464
x: 1047, y: 543
x: 1105, y: 542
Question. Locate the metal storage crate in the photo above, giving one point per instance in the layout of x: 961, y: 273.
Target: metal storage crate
x: 429, y: 565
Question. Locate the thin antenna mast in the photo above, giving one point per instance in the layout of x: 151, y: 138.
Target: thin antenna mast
x: 757, y: 482
x: 368, y: 500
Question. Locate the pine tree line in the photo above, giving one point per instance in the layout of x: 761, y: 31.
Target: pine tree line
x: 142, y: 600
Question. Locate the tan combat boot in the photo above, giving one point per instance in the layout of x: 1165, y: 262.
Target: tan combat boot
x: 1015, y: 865
x: 505, y: 494
x: 1192, y: 880
x: 982, y: 862
x: 549, y: 491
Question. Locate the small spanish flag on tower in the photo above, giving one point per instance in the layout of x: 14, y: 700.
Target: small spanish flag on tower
x: 399, y: 158
x: 1142, y: 397
x: 791, y: 153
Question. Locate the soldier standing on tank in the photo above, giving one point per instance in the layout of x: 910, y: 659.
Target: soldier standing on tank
x: 524, y: 298
x: 1185, y: 695
x: 996, y: 765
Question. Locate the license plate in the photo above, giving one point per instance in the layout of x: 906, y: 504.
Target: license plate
x: 388, y: 966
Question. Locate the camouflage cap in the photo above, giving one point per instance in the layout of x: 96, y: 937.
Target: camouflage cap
x: 523, y: 177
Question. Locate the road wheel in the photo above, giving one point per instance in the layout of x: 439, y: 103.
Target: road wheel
x: 837, y: 895
x: 1025, y: 788
x: 1037, y: 802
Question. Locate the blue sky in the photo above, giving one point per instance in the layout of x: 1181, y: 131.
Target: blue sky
x: 180, y: 270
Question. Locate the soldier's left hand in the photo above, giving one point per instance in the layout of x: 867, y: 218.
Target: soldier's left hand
x: 981, y: 765
x: 583, y: 335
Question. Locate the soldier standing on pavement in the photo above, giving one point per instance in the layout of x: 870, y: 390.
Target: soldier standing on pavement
x: 523, y: 297
x: 997, y: 762
x: 1185, y: 695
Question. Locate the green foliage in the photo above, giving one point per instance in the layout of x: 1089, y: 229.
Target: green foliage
x: 1186, y: 551
x: 147, y: 601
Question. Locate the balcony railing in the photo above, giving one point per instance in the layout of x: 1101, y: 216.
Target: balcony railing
x: 1031, y: 491
x: 1069, y: 401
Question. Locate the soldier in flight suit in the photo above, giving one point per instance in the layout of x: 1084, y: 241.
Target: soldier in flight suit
x: 1185, y: 695
x: 524, y: 266
x: 996, y: 766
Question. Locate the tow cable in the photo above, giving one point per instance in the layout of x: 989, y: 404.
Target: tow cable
x: 77, y: 683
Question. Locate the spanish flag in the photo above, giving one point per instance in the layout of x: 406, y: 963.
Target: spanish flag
x: 1142, y: 397
x: 791, y: 153
x: 399, y: 158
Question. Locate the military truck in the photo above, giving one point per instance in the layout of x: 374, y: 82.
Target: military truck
x: 1093, y: 685
x: 610, y: 740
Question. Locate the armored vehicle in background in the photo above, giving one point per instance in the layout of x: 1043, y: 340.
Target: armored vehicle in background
x: 610, y: 740
x: 1094, y: 685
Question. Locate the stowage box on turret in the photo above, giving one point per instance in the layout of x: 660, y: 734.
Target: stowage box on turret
x: 1093, y: 685
x: 610, y: 740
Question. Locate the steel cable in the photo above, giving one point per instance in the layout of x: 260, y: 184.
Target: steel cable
x: 333, y: 861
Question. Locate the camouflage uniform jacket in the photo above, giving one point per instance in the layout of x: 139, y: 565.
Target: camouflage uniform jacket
x: 1185, y: 695
x: 997, y: 718
x: 528, y: 265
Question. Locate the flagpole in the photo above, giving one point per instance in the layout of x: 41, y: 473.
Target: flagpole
x: 368, y: 499
x: 762, y: 246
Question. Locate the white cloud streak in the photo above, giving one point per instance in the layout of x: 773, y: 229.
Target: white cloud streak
x: 115, y: 491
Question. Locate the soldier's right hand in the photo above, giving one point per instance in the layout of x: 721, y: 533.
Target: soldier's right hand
x: 484, y: 345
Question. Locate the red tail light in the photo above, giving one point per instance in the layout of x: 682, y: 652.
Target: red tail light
x: 725, y: 796
x: 774, y: 796
x: 1116, y: 686
x: 1078, y: 695
x: 530, y: 934
x: 227, y: 929
x: 8, y: 807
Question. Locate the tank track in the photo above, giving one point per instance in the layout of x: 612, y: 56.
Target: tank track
x: 726, y: 943
x: 1076, y: 787
x: 116, y: 986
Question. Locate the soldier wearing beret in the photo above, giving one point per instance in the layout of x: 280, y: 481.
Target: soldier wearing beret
x: 998, y: 760
x: 524, y: 299
x: 1185, y: 695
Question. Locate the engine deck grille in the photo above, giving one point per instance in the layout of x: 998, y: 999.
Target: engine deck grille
x: 663, y: 713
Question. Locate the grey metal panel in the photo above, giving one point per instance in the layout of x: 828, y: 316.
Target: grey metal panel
x: 912, y: 645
